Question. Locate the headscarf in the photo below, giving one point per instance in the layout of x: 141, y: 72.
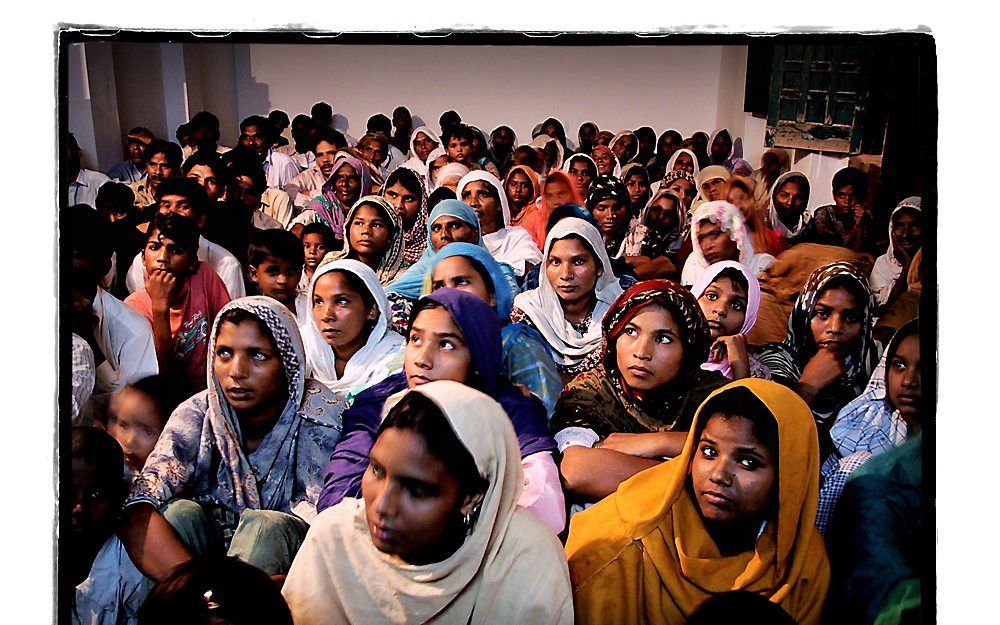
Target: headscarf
x: 414, y: 242
x: 436, y: 153
x: 621, y: 134
x: 734, y: 162
x: 287, y: 466
x: 327, y: 206
x: 645, y: 241
x: 870, y: 423
x: 786, y: 360
x: 609, y: 187
x: 763, y: 189
x: 535, y: 184
x: 536, y: 221
x: 370, y: 364
x: 411, y: 281
x: 392, y: 258
x: 731, y: 221
x: 617, y: 169
x: 887, y: 269
x: 509, y: 244
x: 676, y: 155
x: 413, y: 162
x: 706, y: 278
x: 543, y: 307
x: 662, y: 559
x: 591, y: 166
x: 712, y: 172
x: 668, y: 179
x: 774, y: 221
x: 451, y: 170
x: 509, y: 568
x: 541, y: 141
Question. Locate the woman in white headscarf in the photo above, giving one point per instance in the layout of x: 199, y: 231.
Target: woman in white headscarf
x: 904, y: 241
x: 572, y: 297
x: 433, y: 168
x: 507, y: 244
x: 419, y: 153
x: 469, y: 555
x: 728, y: 241
x: 348, y: 343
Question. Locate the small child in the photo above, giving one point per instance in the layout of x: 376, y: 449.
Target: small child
x: 846, y: 222
x: 275, y: 258
x: 136, y: 417
x: 317, y: 240
x: 180, y: 300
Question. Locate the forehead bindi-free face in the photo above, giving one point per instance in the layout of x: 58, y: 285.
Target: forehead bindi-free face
x: 662, y: 215
x: 249, y: 370
x: 341, y: 314
x: 611, y: 215
x: 907, y: 230
x: 714, y: 188
x: 638, y: 189
x: 347, y: 184
x: 579, y: 170
x: 649, y: 351
x: 135, y: 421
x: 725, y: 307
x: 733, y: 474
x: 164, y: 253
x: 836, y: 321
x: 557, y: 193
x: 315, y: 248
x: 519, y: 188
x: 207, y: 179
x: 903, y: 382
x: 423, y: 145
x: 572, y: 270
x: 436, y: 350
x: 369, y: 233
x: 449, y: 229
x: 684, y: 189
x: 790, y: 199
x: 715, y: 243
x: 406, y: 202
x: 458, y: 272
x: 482, y: 197
x: 685, y: 162
x: 277, y: 278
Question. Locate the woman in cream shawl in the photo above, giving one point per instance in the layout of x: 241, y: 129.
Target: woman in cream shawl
x: 369, y: 365
x: 508, y: 569
x: 904, y: 241
x: 414, y: 162
x: 644, y: 554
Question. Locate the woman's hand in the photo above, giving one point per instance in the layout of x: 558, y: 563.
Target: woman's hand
x: 653, y: 445
x: 821, y: 371
x: 735, y: 348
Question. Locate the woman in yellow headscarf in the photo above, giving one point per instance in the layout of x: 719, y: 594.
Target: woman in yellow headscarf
x: 735, y: 511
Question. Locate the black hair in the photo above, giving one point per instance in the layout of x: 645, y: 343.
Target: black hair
x: 321, y: 110
x: 323, y: 230
x: 851, y: 176
x: 357, y: 285
x: 236, y: 316
x: 739, y: 401
x: 276, y: 243
x: 244, y: 162
x: 669, y: 133
x: 142, y: 130
x: 449, y: 118
x: 159, y: 390
x: 331, y: 136
x: 748, y: 608
x: 204, y: 158
x: 263, y: 125
x: 384, y: 214
x: 589, y: 162
x: 184, y: 130
x: 101, y: 451
x: 418, y: 413
x: 71, y: 142
x: 439, y: 195
x: 375, y: 136
x: 90, y: 233
x: 588, y: 125
x: 215, y: 591
x: 570, y: 210
x: 735, y: 276
x: 114, y: 197
x: 205, y: 120
x: 182, y: 230
x: 171, y: 151
x: 405, y: 177
x: 188, y: 188
x: 560, y: 135
x: 458, y: 131
x: 379, y: 123
x: 647, y: 131
x: 483, y: 273
x: 277, y: 115
x: 852, y: 286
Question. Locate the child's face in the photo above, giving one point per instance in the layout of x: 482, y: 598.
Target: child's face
x: 315, y: 248
x: 459, y: 150
x: 836, y: 321
x: 135, y: 421
x: 369, y: 232
x: 93, y: 514
x: 277, y: 278
x: 725, y: 307
x: 845, y: 198
x: 903, y: 381
x: 164, y: 253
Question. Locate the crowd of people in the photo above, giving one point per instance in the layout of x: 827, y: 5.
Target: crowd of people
x: 439, y: 375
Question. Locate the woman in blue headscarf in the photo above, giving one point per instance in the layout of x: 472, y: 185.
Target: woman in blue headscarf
x: 452, y: 335
x: 526, y: 360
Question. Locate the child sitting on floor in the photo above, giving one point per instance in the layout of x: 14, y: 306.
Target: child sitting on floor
x: 275, y: 265
x: 136, y: 417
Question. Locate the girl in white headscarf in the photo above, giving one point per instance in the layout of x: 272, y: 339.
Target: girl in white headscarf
x: 507, y: 244
x: 478, y: 559
x: 433, y: 169
x: 904, y: 241
x: 730, y: 241
x: 360, y: 321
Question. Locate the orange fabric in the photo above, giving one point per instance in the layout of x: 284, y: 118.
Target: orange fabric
x: 536, y: 221
x: 643, y: 555
x: 515, y: 220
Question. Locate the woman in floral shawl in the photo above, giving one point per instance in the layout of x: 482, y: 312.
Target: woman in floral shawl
x: 238, y: 466
x: 338, y: 194
x: 390, y: 260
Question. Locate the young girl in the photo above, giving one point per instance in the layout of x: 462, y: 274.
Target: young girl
x: 729, y: 296
x: 609, y: 203
x: 348, y: 342
x: 558, y: 189
x: 734, y: 511
x: 526, y: 360
x: 522, y: 189
x: 438, y: 535
x: 405, y: 192
x: 453, y: 335
x: 508, y: 244
x: 828, y: 355
x: 373, y: 235
x: 571, y: 300
x: 181, y: 299
x: 718, y: 233
x: 317, y: 240
x: 136, y: 416
x: 684, y: 160
x: 238, y: 467
x: 788, y: 214
x: 904, y: 241
x: 636, y: 180
x: 635, y: 407
x: 652, y: 247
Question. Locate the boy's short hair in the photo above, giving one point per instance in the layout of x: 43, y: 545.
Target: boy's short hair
x: 458, y: 131
x: 278, y: 116
x: 851, y: 176
x: 379, y: 123
x: 203, y: 158
x: 439, y: 195
x: 206, y: 120
x: 114, y: 197
x: 159, y: 390
x: 275, y: 243
x: 239, y: 166
x: 263, y: 126
x: 322, y: 110
x: 89, y: 231
x: 171, y: 151
x: 189, y: 188
x: 182, y: 230
x: 102, y: 452
x: 449, y: 118
x: 323, y: 230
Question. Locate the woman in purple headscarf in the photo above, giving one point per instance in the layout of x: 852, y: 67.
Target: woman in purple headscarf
x: 349, y: 180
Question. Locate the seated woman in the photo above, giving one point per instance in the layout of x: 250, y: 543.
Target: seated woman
x: 349, y: 180
x: 508, y: 244
x: 718, y: 233
x: 438, y: 535
x: 522, y: 188
x: 636, y: 180
x: 828, y: 355
x: 634, y: 408
x: 526, y: 360
x: 405, y: 192
x: 576, y: 292
x: 606, y: 161
x: 558, y: 189
x: 373, y: 235
x: 238, y: 467
x: 685, y: 160
x: 734, y: 511
x: 740, y: 193
x: 609, y: 203
x: 729, y: 296
x: 886, y: 415
x: 652, y: 247
x: 349, y: 345
x: 728, y: 152
x: 423, y: 141
x: 583, y: 169
x: 788, y: 214
x: 905, y: 230
x: 711, y: 182
x: 453, y: 335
